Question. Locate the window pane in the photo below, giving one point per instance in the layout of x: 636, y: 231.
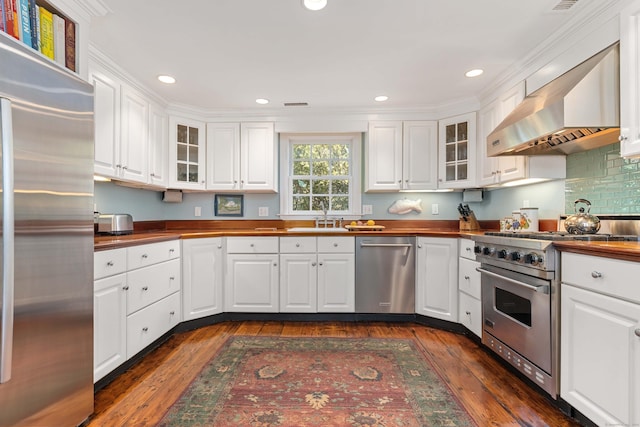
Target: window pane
x: 341, y: 151
x: 193, y: 136
x: 462, y: 151
x: 462, y: 171
x: 182, y: 152
x: 319, y: 203
x: 301, y: 151
x: 340, y: 186
x: 321, y: 168
x: 301, y: 186
x: 182, y: 133
x: 193, y: 154
x: 450, y: 152
x: 451, y: 133
x: 340, y: 168
x: 321, y: 151
x: 182, y: 172
x: 301, y: 168
x: 193, y: 173
x: 320, y: 186
x: 451, y: 173
x: 340, y: 203
x: 462, y: 131
x: 300, y: 203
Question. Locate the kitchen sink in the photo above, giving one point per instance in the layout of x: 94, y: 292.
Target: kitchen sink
x: 317, y: 230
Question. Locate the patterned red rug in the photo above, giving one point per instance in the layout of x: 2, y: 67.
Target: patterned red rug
x: 295, y: 382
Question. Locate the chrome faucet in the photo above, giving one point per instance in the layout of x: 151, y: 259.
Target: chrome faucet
x: 324, y: 222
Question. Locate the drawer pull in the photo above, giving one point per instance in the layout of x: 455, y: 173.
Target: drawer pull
x: 335, y: 245
x: 313, y: 264
x: 467, y: 278
x: 467, y: 249
x: 171, y: 250
x: 468, y: 313
x: 125, y: 288
x: 320, y: 264
x: 596, y: 274
x: 297, y: 245
x: 637, y: 332
x: 275, y: 264
x: 109, y: 263
x: 145, y: 256
x: 172, y: 278
x: 145, y: 329
x: 252, y: 245
x: 172, y: 313
x: 145, y: 288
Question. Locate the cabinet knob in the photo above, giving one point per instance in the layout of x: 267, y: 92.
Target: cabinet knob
x: 153, y: 175
x: 124, y: 168
x: 313, y: 264
x: 419, y: 246
x: 468, y: 313
x: 399, y: 181
x: 468, y: 249
x: 145, y: 256
x: 596, y: 274
x: 145, y: 329
x: 622, y: 138
x: 297, y: 245
x: 467, y: 277
x: 219, y: 246
x: 145, y: 288
x: 172, y: 313
x: 125, y: 288
x: 275, y: 264
x: 109, y: 263
x: 637, y: 332
x: 251, y: 244
x: 171, y: 250
x: 320, y: 264
x: 335, y: 245
x: 172, y: 278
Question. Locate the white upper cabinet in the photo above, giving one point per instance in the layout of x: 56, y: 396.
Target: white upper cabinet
x: 241, y: 157
x: 630, y: 80
x: 158, y: 147
x: 106, y: 108
x: 457, y: 151
x: 495, y: 170
x: 186, y: 153
x: 134, y: 139
x: 401, y: 156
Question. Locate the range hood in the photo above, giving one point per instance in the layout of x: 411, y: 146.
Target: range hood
x: 578, y: 111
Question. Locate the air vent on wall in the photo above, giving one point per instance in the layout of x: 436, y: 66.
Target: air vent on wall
x: 296, y: 104
x: 564, y: 5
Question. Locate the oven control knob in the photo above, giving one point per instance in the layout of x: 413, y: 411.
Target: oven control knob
x: 488, y: 251
x: 533, y: 259
x: 502, y: 253
x: 477, y: 249
x: 516, y: 256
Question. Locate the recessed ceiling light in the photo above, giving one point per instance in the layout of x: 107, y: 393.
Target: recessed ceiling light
x: 166, y: 79
x: 381, y: 98
x: 314, y: 4
x: 262, y: 101
x: 474, y: 73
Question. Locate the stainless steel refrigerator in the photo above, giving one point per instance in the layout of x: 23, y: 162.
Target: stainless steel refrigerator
x: 46, y: 300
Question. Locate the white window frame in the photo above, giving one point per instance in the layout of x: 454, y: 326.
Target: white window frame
x: 355, y: 185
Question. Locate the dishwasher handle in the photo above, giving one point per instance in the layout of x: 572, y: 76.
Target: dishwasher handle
x: 386, y: 245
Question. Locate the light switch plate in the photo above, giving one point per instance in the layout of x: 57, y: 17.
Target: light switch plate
x: 434, y: 209
x: 367, y: 209
x: 263, y: 211
x: 197, y: 211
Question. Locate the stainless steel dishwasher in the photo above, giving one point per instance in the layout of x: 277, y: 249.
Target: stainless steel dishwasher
x: 385, y: 274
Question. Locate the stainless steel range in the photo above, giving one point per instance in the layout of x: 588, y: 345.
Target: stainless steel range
x: 520, y: 277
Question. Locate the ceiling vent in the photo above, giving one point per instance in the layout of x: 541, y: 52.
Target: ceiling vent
x: 564, y: 5
x: 296, y: 104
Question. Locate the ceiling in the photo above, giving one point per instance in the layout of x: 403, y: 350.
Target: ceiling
x: 226, y: 53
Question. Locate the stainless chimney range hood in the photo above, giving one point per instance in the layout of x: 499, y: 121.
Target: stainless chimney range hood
x: 578, y: 111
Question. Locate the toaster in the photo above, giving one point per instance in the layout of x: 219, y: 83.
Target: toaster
x: 115, y: 224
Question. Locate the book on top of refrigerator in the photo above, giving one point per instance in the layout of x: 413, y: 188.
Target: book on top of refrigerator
x: 70, y: 42
x: 46, y: 33
x: 25, y: 21
x: 58, y: 39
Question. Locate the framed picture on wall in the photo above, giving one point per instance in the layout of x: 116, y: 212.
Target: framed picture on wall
x: 228, y: 205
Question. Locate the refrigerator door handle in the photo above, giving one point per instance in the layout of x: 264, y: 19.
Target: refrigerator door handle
x: 7, y: 218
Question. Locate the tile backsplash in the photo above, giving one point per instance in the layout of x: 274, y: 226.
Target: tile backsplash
x: 610, y: 182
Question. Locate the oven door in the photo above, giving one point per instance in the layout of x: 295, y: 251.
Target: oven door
x: 516, y: 310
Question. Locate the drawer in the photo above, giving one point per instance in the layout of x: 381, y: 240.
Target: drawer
x: 252, y: 245
x: 144, y: 255
x: 466, y: 249
x: 336, y: 244
x: 150, y: 323
x: 294, y: 245
x: 108, y: 263
x: 150, y: 284
x: 612, y: 277
x: 470, y: 313
x: 468, y: 277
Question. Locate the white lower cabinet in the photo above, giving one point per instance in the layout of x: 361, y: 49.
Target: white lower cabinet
x: 251, y: 277
x: 437, y: 278
x: 336, y: 275
x: 109, y: 324
x: 202, y: 275
x: 136, y: 300
x: 600, y: 339
x: 469, y: 297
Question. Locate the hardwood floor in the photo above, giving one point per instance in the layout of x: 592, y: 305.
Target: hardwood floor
x: 490, y: 393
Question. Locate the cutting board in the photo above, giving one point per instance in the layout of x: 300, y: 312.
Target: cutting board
x: 364, y: 227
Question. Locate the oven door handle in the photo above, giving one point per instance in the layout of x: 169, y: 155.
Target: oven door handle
x: 542, y: 288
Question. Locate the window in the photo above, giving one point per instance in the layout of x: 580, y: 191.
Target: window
x: 321, y: 172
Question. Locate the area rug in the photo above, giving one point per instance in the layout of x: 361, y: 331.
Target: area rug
x: 295, y: 382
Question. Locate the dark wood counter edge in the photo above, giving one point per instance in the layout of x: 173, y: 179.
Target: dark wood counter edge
x: 626, y: 251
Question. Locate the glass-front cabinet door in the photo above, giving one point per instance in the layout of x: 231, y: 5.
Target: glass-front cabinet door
x: 187, y: 154
x: 457, y: 139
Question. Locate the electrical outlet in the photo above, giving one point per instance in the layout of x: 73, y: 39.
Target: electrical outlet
x: 367, y: 209
x: 434, y: 209
x: 525, y: 203
x: 263, y: 211
x: 197, y: 211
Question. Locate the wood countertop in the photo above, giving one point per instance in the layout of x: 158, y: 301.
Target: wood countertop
x: 629, y: 251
